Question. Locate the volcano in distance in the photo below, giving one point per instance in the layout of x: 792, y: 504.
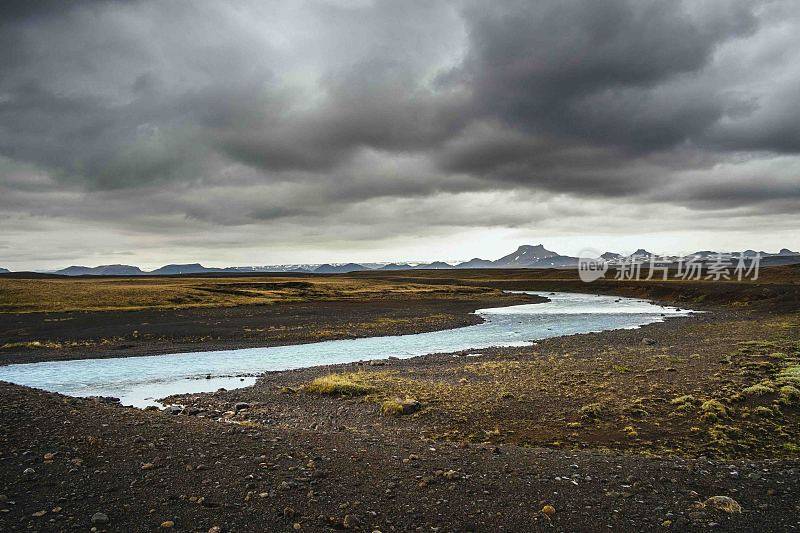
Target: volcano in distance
x: 526, y: 256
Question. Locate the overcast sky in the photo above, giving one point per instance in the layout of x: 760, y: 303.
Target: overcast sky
x: 261, y: 132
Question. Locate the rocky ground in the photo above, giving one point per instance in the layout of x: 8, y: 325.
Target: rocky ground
x: 70, y: 464
x: 688, y: 425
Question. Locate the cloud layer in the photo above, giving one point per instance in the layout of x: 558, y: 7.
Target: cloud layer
x: 170, y: 128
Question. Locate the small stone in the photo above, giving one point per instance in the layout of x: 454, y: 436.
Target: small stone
x: 167, y: 524
x: 37, y: 514
x: 241, y: 405
x: 548, y: 510
x: 666, y: 523
x: 29, y: 471
x: 725, y: 504
x: 49, y: 456
x: 648, y: 341
x: 99, y: 519
x: 148, y: 466
x: 296, y: 526
x: 350, y: 521
x: 215, y: 529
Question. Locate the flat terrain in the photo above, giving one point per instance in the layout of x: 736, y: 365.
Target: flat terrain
x: 619, y: 431
x: 67, y: 318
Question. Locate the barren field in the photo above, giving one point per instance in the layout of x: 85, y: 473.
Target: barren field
x: 687, y: 425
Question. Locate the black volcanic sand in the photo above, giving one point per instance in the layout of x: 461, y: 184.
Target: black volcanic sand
x: 503, y: 440
x: 142, y: 469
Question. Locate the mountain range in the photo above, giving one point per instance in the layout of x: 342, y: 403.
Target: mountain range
x: 526, y: 256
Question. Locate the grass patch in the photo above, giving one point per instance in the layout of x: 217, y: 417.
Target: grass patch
x: 681, y: 400
x: 126, y: 294
x: 30, y: 345
x: 757, y: 390
x: 789, y: 375
x: 400, y: 406
x: 592, y: 411
x: 789, y: 395
x: 340, y: 385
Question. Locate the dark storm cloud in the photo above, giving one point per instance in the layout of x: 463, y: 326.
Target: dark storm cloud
x: 149, y: 115
x: 600, y: 71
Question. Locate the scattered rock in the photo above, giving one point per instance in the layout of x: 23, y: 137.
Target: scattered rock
x: 398, y: 406
x: 99, y: 519
x: 725, y: 504
x: 648, y: 341
x: 549, y: 511
x: 240, y: 406
x: 167, y: 524
x: 451, y: 474
x: 350, y: 521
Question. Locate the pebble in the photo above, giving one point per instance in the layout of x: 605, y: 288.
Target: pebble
x: 548, y: 510
x: 167, y: 524
x: 99, y: 518
x: 726, y: 504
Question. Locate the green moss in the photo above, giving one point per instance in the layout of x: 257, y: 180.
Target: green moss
x: 757, y: 390
x: 714, y: 407
x: 592, y: 411
x: 789, y: 395
x: 791, y: 447
x: 398, y: 406
x: 680, y: 400
x: 764, y: 412
x: 789, y: 375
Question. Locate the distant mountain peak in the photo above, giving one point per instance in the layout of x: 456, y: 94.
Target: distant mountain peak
x: 537, y: 255
x: 608, y: 256
x: 102, y: 270
x: 436, y: 265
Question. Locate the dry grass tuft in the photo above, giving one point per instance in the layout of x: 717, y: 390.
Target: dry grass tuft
x: 340, y: 385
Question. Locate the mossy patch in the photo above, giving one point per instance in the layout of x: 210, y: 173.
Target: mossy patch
x: 592, y: 411
x: 789, y: 395
x: 685, y: 399
x: 757, y: 390
x: 400, y: 406
x: 353, y: 384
